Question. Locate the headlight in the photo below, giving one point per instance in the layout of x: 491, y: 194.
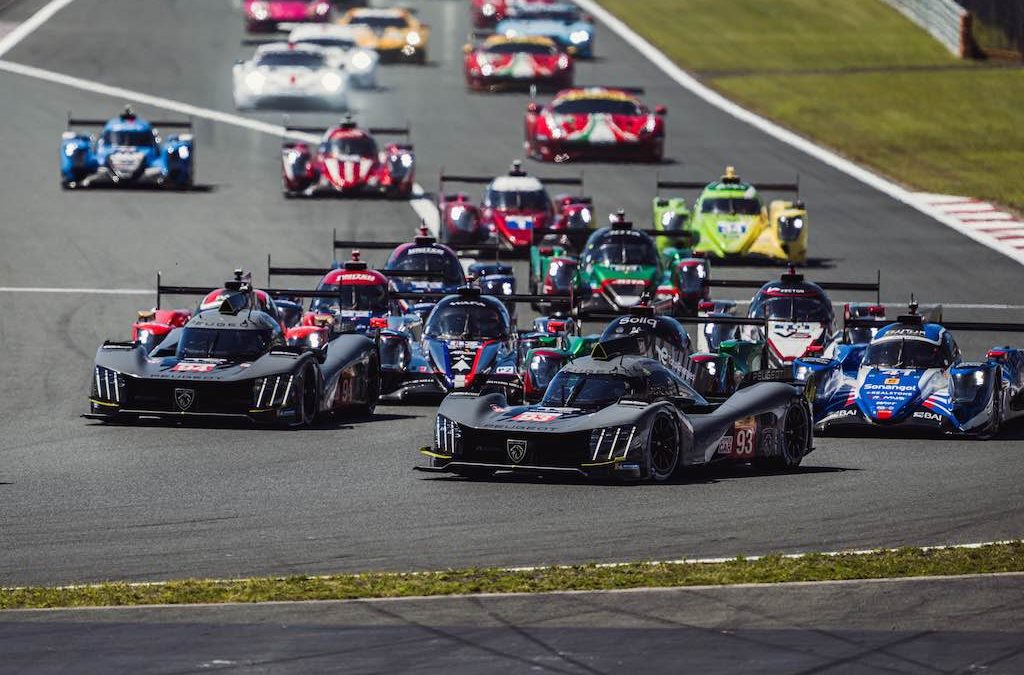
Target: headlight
x: 456, y: 212
x: 272, y: 392
x: 488, y: 9
x: 69, y: 150
x: 259, y: 11
x: 361, y: 61
x: 413, y: 38
x: 651, y: 124
x: 612, y: 442
x: 183, y: 151
x: 579, y: 37
x: 585, y: 215
x: 486, y: 70
x: 406, y: 160
x: 790, y: 227
x: 331, y: 81
x: 563, y: 61
x: 800, y: 373
x: 255, y: 80
x: 108, y: 385
x: 447, y: 436
x: 323, y: 8
x: 506, y: 288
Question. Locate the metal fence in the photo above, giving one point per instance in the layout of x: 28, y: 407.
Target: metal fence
x: 945, y: 20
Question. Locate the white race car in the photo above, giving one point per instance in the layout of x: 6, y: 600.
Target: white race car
x: 285, y: 76
x: 341, y: 46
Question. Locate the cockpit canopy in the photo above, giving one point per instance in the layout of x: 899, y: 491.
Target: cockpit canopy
x: 469, y: 319
x: 428, y: 258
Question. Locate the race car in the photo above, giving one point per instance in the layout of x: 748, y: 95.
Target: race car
x: 798, y: 314
x: 286, y: 76
x: 598, y: 123
x: 500, y: 62
x: 128, y: 152
x: 268, y: 16
x: 233, y: 361
x: 911, y: 377
x: 559, y: 21
x: 395, y: 34
x: 348, y: 161
x: 515, y: 209
x: 340, y: 44
x: 729, y: 219
x: 616, y: 415
x: 619, y: 267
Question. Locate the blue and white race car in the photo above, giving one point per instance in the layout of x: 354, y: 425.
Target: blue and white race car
x: 560, y: 21
x: 911, y: 376
x: 129, y: 151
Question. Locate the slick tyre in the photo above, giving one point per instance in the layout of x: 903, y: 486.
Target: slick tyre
x: 308, y: 403
x: 792, y: 438
x: 996, y: 421
x: 662, y: 455
x: 372, y: 387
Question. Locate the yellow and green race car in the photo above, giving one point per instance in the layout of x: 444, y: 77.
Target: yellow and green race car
x: 730, y: 220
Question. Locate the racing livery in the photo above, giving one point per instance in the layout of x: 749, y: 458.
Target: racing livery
x: 341, y: 47
x: 128, y: 152
x: 395, y: 34
x: 562, y: 22
x: 912, y: 377
x: 619, y: 267
x: 602, y: 123
x: 729, y: 219
x: 233, y: 361
x: 288, y: 76
x: 348, y: 161
x: 616, y: 415
x: 509, y: 62
x: 268, y: 16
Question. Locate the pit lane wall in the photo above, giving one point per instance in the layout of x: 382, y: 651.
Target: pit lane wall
x: 945, y: 20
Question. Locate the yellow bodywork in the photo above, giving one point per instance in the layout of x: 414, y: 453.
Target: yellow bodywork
x: 408, y: 40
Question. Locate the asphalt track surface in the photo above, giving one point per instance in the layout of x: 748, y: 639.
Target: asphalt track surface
x: 80, y: 501
x: 965, y: 624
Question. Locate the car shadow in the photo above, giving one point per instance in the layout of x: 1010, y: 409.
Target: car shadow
x: 146, y: 188
x: 330, y: 422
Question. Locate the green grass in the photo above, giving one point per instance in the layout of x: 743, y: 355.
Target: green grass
x: 858, y: 77
x: 906, y: 562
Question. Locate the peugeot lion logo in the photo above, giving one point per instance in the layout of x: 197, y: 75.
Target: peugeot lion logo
x: 516, y: 450
x: 184, y: 398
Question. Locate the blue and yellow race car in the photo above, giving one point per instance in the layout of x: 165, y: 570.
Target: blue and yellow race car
x: 128, y: 152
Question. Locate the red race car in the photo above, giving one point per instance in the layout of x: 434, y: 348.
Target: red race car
x: 516, y: 209
x: 502, y: 62
x: 607, y: 123
x: 348, y: 161
x: 268, y: 16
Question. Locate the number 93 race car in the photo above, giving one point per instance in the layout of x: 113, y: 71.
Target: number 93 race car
x: 617, y: 415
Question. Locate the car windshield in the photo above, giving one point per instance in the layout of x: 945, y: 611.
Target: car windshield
x: 543, y: 369
x: 792, y: 309
x: 380, y: 22
x: 540, y: 14
x: 691, y: 278
x: 626, y: 251
x: 368, y: 297
x: 589, y: 106
x: 136, y: 138
x: 520, y: 48
x: 743, y: 206
x: 469, y: 319
x: 905, y: 353
x: 363, y: 146
x: 429, y: 259
x: 341, y: 43
x: 562, y: 274
x: 532, y: 200
x: 586, y: 390
x: 223, y: 343
x: 291, y: 59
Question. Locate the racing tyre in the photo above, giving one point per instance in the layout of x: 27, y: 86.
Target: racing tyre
x: 662, y: 449
x: 996, y: 421
x: 309, y: 400
x: 372, y: 387
x: 792, y: 438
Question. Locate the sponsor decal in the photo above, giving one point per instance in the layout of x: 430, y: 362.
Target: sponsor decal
x: 194, y: 367
x: 516, y: 450
x: 935, y: 417
x: 890, y: 387
x: 845, y: 412
x: 768, y: 442
x: 359, y: 276
x: 645, y: 320
x: 892, y: 380
x: 428, y: 250
x: 536, y: 416
x: 184, y: 398
x: 504, y: 370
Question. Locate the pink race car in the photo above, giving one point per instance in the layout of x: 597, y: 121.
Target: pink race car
x: 268, y: 16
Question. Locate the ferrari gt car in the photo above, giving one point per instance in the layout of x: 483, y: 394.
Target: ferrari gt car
x: 606, y: 123
x: 501, y: 62
x: 128, y: 152
x: 348, y: 161
x: 286, y: 76
x: 395, y: 34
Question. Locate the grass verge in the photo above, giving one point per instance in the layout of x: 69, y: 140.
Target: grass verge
x: 905, y: 562
x: 858, y: 77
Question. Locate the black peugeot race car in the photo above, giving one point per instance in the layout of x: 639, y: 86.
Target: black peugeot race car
x: 233, y: 361
x: 617, y: 415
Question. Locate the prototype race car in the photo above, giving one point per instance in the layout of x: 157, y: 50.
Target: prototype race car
x: 233, y: 361
x: 912, y: 377
x: 605, y: 123
x: 395, y: 34
x: 268, y: 16
x: 348, y: 161
x: 128, y: 152
x: 559, y: 21
x: 729, y: 219
x: 501, y: 62
x: 515, y: 209
x: 616, y: 415
x: 286, y: 76
x: 619, y: 267
x: 341, y: 45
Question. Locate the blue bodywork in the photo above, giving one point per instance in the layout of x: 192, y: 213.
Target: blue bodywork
x: 556, y: 25
x: 940, y: 393
x: 127, y: 152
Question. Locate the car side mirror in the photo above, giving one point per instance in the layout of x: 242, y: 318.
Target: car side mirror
x: 682, y: 401
x: 660, y: 110
x: 533, y: 108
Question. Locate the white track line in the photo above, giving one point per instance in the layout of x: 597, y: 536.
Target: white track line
x: 688, y: 82
x: 30, y: 25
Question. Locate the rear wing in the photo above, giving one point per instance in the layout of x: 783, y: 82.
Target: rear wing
x: 373, y: 131
x: 320, y: 272
x: 700, y: 185
x: 977, y: 326
x: 484, y: 180
x: 157, y: 124
x: 515, y: 297
x: 858, y: 286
